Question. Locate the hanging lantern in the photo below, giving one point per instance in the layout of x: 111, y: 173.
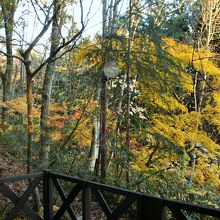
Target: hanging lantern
x: 111, y: 69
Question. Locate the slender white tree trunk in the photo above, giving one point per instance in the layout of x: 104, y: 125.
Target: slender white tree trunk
x: 94, y: 153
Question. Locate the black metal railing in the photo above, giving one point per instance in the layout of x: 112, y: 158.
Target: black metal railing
x: 64, y: 195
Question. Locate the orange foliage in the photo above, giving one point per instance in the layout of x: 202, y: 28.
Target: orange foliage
x: 56, y: 136
x: 3, y: 104
x: 133, y: 143
x: 58, y: 124
x: 77, y: 114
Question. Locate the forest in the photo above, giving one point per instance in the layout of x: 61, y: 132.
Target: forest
x: 134, y: 105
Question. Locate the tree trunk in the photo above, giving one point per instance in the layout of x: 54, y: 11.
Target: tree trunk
x: 37, y: 202
x: 4, y: 99
x: 94, y: 151
x: 8, y: 16
x: 103, y: 130
x: 46, y: 94
x: 6, y: 94
x: 103, y: 100
x: 30, y: 123
x: 47, y: 87
x: 115, y: 16
x: 128, y: 135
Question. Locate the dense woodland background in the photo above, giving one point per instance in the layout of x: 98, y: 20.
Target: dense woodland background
x: 155, y: 128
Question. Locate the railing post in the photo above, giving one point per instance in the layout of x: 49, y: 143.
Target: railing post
x: 47, y: 196
x: 149, y: 208
x: 86, y: 202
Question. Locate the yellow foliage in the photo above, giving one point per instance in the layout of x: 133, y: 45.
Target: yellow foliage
x: 201, y: 59
x: 87, y: 54
x: 41, y: 210
x: 209, y: 172
x: 61, y: 69
x: 139, y: 164
x: 81, y: 55
x: 58, y: 108
x: 216, y: 97
x: 3, y: 104
x: 186, y: 82
x: 182, y: 128
x: 83, y: 134
x: 2, y: 63
x: 175, y: 119
x: 20, y: 105
x: 167, y: 102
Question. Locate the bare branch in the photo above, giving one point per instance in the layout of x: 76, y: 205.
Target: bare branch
x: 12, y: 56
x: 39, y: 36
x: 52, y: 58
x: 36, y: 13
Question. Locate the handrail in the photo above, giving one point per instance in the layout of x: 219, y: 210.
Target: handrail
x: 34, y: 180
x: 175, y: 206
x: 12, y: 179
x: 192, y: 207
x: 113, y: 189
x: 147, y: 206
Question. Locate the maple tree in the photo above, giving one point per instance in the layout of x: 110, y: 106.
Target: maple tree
x: 183, y: 132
